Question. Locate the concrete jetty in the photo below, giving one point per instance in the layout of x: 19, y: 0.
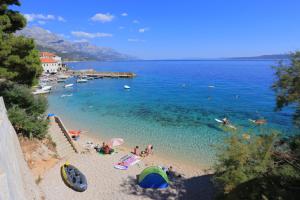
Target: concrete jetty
x: 95, y: 74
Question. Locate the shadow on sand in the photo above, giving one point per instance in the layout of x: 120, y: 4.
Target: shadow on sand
x: 197, y: 188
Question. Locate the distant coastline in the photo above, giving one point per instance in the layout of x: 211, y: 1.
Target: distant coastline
x: 250, y: 58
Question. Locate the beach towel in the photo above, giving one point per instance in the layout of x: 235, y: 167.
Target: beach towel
x: 127, y: 161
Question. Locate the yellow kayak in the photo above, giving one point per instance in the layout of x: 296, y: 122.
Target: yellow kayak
x: 73, y: 177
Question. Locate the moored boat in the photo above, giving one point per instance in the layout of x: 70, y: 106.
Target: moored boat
x: 62, y: 76
x: 61, y: 80
x: 46, y: 88
x: 126, y: 87
x: 81, y: 80
x: 41, y: 92
x: 68, y: 85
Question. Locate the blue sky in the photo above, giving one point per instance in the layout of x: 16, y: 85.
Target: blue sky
x: 159, y: 29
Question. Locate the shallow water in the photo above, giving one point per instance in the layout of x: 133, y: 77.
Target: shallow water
x: 171, y: 105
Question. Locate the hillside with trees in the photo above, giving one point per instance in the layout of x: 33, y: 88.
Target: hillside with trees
x: 20, y: 68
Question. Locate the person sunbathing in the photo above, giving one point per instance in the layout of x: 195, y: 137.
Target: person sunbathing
x: 135, y: 150
x: 149, y: 149
x: 105, y: 149
x: 143, y: 153
x: 172, y: 174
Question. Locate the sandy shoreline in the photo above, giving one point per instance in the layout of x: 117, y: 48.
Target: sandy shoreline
x: 106, y: 182
x: 191, y: 167
x: 154, y: 159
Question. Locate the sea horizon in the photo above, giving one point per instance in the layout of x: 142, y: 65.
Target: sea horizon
x: 184, y: 59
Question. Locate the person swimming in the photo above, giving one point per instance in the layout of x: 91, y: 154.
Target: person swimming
x: 258, y: 121
x: 225, y: 121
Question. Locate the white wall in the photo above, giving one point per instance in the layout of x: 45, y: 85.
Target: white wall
x: 16, y: 180
x: 50, y: 67
x: 57, y: 58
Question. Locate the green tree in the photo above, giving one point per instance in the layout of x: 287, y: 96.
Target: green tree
x: 27, y: 125
x: 25, y: 111
x: 287, y: 85
x: 241, y: 159
x: 262, y: 167
x: 20, y: 95
x: 19, y: 60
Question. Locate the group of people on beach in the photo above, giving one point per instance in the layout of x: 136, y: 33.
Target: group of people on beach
x: 105, y: 148
x: 148, y: 150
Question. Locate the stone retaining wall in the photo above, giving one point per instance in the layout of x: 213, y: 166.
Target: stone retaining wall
x: 16, y: 179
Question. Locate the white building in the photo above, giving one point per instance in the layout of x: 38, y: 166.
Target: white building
x: 51, y: 63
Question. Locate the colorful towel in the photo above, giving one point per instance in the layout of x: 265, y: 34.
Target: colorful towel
x: 129, y: 160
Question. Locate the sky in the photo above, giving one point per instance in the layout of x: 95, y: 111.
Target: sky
x: 173, y: 29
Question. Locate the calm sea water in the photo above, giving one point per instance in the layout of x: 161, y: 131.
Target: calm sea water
x: 170, y: 104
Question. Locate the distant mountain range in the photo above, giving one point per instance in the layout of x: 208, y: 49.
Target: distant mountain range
x: 47, y: 41
x: 264, y: 57
x: 79, y: 51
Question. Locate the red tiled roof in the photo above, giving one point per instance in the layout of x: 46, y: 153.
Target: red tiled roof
x: 48, y: 60
x: 47, y: 54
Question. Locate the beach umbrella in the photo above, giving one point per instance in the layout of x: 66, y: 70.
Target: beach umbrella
x: 116, y: 142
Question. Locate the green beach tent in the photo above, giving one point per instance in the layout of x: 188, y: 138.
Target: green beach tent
x: 153, y: 177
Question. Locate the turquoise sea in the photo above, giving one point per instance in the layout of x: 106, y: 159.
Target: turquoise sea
x: 171, y: 105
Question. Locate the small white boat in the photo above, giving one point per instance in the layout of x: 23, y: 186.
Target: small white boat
x: 218, y: 120
x: 62, y: 76
x: 126, y: 87
x: 41, y: 92
x: 66, y: 95
x: 46, y: 88
x: 82, y: 80
x: 61, y: 80
x: 69, y: 85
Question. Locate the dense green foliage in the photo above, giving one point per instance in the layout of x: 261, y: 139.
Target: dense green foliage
x: 267, y: 187
x: 287, y: 85
x: 19, y: 60
x: 20, y: 63
x: 25, y: 111
x: 262, y: 167
x: 243, y: 159
x: 28, y: 125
